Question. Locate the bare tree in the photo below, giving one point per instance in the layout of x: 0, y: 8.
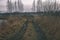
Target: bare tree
x: 20, y: 6
x: 9, y: 6
x: 39, y: 5
x: 54, y: 5
x: 15, y: 6
x: 33, y: 7
x: 51, y: 6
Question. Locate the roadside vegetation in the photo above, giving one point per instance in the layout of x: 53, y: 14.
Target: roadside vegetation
x: 10, y: 26
x: 50, y: 25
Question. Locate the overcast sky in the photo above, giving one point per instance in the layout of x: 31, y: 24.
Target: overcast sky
x: 25, y: 2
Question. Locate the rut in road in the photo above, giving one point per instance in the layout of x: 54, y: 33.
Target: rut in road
x: 30, y: 33
x: 19, y: 35
x: 40, y: 33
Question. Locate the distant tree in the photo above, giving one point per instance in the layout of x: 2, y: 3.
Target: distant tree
x: 9, y: 6
x: 33, y: 7
x: 48, y: 6
x: 39, y: 5
x: 20, y: 6
x: 55, y: 5
x: 51, y: 5
x: 15, y: 6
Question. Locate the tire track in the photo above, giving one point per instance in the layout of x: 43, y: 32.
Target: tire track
x: 30, y: 33
x: 19, y: 35
x: 40, y: 33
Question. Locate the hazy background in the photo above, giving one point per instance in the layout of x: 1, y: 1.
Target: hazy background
x: 27, y: 4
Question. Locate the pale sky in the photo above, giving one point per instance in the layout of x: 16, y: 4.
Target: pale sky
x: 25, y: 2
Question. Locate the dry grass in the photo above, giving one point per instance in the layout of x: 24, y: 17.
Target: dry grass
x: 30, y: 33
x: 50, y: 25
x: 12, y: 25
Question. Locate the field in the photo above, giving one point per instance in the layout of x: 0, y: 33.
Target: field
x: 30, y: 27
x: 50, y: 25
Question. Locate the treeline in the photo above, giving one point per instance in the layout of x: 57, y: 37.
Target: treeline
x: 16, y: 6
x: 46, y: 6
x: 51, y: 13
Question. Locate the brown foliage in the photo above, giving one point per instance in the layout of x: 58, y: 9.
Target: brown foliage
x: 50, y: 25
